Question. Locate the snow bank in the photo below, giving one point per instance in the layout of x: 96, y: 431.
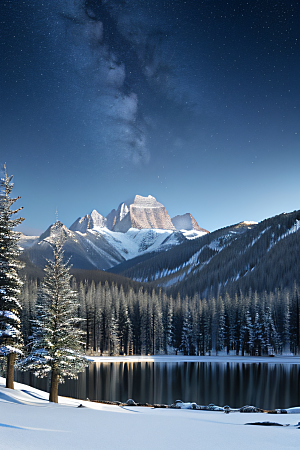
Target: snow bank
x: 29, y: 421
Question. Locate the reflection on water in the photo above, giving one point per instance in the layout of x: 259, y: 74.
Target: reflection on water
x: 267, y: 386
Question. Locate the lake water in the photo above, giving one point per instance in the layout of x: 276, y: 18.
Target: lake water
x: 267, y: 386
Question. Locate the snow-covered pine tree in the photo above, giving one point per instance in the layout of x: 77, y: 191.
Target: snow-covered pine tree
x: 10, y: 283
x: 249, y: 333
x: 57, y: 339
x: 286, y: 324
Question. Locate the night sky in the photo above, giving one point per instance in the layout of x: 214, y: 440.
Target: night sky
x: 194, y: 102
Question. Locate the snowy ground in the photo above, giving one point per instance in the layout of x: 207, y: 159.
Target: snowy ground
x: 28, y: 421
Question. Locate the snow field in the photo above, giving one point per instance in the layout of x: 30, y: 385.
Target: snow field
x: 29, y: 421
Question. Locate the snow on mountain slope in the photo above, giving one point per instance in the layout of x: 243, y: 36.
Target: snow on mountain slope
x: 136, y: 242
x: 193, y: 234
x: 27, y: 241
x: 213, y: 244
x: 101, y: 248
x: 138, y: 226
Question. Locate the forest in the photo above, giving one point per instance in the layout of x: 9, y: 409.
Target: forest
x: 131, y: 320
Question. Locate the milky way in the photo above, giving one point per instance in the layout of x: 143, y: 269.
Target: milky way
x: 194, y: 102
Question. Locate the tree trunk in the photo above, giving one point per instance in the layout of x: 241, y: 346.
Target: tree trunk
x: 53, y: 396
x: 10, y: 370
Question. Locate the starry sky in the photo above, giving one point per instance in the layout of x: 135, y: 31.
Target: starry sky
x: 195, y: 102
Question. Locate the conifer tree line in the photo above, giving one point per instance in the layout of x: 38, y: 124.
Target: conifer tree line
x: 118, y: 321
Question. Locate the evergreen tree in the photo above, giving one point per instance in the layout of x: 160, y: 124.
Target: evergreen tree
x: 167, y: 319
x: 295, y: 321
x: 28, y: 301
x: 107, y: 319
x: 186, y: 338
x: 222, y: 332
x: 156, y: 324
x: 261, y: 339
x: 10, y: 283
x: 123, y: 325
x: 177, y: 323
x: 207, y: 320
x: 56, y: 344
x: 249, y: 333
x: 286, y: 329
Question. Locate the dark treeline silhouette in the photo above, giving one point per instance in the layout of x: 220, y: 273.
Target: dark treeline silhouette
x: 137, y: 321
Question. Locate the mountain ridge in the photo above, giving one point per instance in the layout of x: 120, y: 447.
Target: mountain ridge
x: 97, y: 242
x: 140, y: 213
x: 257, y: 256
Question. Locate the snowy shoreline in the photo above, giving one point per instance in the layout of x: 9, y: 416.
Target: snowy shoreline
x: 28, y: 420
x: 207, y: 359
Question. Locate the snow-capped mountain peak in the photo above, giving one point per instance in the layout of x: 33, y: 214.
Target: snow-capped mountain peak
x: 88, y: 222
x: 138, y: 226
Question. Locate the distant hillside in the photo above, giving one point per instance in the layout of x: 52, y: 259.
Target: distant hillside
x: 101, y: 248
x: 245, y: 256
x: 36, y: 273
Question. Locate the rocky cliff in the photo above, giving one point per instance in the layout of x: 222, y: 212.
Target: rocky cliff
x: 143, y: 213
x: 186, y: 222
x: 89, y: 222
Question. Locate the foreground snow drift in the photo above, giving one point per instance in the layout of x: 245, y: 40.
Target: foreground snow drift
x: 29, y: 421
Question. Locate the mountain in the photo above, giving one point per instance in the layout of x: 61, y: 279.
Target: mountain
x: 186, y: 222
x: 141, y: 213
x: 85, y: 250
x: 260, y: 256
x: 89, y: 222
x: 179, y: 256
x: 138, y: 227
x: 100, y: 248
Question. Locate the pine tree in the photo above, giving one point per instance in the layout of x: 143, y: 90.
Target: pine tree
x: 222, y: 332
x: 286, y: 329
x: 156, y: 323
x: 10, y: 283
x: 187, y: 333
x: 167, y: 319
x: 249, y: 333
x: 123, y: 324
x: 295, y: 321
x: 57, y: 339
x: 207, y: 320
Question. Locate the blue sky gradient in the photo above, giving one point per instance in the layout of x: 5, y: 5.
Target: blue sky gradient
x: 193, y: 102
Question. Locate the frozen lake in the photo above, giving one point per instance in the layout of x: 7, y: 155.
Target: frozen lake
x: 268, y: 383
